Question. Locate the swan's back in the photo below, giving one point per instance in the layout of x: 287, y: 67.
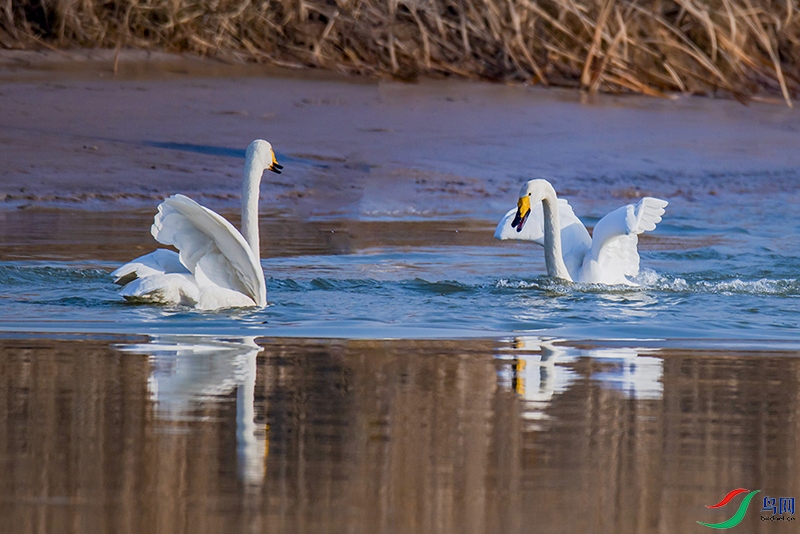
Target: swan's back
x: 209, y: 246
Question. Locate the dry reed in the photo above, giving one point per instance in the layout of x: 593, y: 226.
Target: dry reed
x: 741, y: 48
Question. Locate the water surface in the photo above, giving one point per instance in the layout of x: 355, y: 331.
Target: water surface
x: 200, y: 434
x: 717, y: 273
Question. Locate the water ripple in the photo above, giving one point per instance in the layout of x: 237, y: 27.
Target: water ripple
x: 65, y: 297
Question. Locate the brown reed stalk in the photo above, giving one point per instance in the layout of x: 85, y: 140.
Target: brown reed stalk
x: 739, y: 47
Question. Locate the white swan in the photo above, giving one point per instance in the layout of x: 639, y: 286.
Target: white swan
x: 216, y: 266
x: 608, y: 257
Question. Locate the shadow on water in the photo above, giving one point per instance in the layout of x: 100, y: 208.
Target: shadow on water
x: 368, y: 436
x: 210, y: 150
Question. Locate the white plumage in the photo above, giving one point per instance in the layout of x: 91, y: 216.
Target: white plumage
x: 609, y: 256
x: 215, y: 266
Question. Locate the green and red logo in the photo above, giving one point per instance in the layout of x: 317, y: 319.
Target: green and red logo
x: 739, y: 515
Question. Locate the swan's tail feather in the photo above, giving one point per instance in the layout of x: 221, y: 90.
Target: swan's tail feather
x: 168, y: 289
x: 125, y: 274
x: 160, y: 261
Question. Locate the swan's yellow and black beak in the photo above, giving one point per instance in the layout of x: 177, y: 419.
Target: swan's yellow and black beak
x: 275, y: 166
x: 523, y: 210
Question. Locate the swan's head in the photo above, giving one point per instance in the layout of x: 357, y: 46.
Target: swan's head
x: 261, y: 153
x: 532, y: 192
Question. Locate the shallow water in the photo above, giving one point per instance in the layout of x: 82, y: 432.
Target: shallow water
x: 735, y: 283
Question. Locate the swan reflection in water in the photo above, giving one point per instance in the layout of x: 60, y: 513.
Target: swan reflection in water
x: 538, y: 369
x: 187, y: 370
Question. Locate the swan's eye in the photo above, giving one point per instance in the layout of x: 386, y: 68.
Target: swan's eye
x: 529, y: 194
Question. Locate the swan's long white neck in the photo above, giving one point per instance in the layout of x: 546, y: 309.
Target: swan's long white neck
x: 250, y: 186
x: 553, y: 255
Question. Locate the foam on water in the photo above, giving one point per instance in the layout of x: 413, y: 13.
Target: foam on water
x: 649, y: 280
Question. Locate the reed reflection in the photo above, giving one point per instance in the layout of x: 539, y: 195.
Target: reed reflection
x: 207, y: 435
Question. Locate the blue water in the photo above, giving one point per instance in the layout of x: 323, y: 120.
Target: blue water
x: 716, y: 272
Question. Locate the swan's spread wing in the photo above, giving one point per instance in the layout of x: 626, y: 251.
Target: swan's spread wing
x: 533, y: 230
x: 211, y: 248
x: 530, y: 231
x: 160, y: 261
x: 630, y: 219
x: 614, y: 240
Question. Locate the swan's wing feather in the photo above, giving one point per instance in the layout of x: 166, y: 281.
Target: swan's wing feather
x: 215, y: 296
x: 160, y: 261
x: 648, y: 213
x: 206, y: 240
x: 631, y: 219
x: 533, y: 230
x: 618, y: 258
x: 615, y: 241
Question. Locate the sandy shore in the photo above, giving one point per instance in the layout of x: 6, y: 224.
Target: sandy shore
x: 73, y: 131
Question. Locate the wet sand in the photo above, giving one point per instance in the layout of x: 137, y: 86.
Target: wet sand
x: 75, y: 133
x: 80, y: 235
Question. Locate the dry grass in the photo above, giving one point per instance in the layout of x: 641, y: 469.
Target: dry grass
x: 738, y: 47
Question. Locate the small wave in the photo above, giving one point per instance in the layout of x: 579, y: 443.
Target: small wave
x: 286, y: 283
x: 12, y: 275
x: 416, y: 285
x: 57, y: 286
x: 347, y: 284
x: 764, y: 286
x: 752, y: 287
x: 551, y: 285
x: 441, y: 287
x: 505, y: 283
x: 80, y: 302
x: 648, y: 280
